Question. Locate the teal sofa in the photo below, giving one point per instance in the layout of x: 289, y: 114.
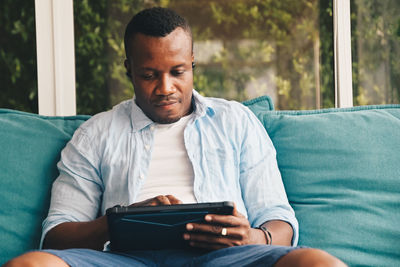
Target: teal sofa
x: 340, y: 167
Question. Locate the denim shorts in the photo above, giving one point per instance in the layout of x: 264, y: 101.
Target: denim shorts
x: 249, y: 255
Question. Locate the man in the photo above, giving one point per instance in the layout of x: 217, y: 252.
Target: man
x: 170, y: 146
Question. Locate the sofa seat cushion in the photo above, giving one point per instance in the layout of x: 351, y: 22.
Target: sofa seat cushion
x: 30, y: 149
x: 341, y: 170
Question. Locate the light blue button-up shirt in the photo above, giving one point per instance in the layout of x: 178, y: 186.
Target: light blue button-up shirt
x: 107, y: 160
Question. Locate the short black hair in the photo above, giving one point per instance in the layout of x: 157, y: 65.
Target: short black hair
x: 157, y: 22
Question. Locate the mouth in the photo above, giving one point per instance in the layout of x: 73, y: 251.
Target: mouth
x: 165, y: 103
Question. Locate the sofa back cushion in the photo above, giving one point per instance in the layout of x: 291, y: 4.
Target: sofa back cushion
x: 260, y: 104
x: 341, y: 170
x: 340, y: 167
x: 30, y: 148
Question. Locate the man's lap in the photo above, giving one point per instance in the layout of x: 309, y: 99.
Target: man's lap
x: 251, y: 255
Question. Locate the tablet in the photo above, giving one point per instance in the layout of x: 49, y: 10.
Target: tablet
x: 157, y: 227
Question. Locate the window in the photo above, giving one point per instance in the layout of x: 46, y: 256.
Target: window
x: 243, y: 49
x: 18, y: 77
x: 376, y: 51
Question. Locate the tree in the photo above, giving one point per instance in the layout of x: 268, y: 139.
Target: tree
x: 265, y: 47
x: 18, y: 56
x: 243, y: 49
x: 376, y: 49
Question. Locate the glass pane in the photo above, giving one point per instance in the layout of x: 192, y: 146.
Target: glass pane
x: 376, y: 51
x: 243, y: 49
x: 18, y: 77
x: 246, y: 49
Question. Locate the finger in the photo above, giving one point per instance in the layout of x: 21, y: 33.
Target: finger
x: 207, y: 238
x: 221, y: 241
x: 205, y: 228
x: 216, y: 230
x: 235, y: 212
x: 147, y: 202
x: 158, y: 200
x: 227, y: 220
x: 161, y: 200
x: 173, y: 200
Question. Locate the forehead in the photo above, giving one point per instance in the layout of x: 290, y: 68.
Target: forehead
x: 176, y: 44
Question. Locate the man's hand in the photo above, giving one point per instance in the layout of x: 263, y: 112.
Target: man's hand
x: 158, y: 200
x: 92, y: 234
x: 211, y: 235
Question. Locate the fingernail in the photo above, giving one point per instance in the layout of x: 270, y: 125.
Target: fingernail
x: 208, y: 218
x: 189, y: 227
x: 186, y: 236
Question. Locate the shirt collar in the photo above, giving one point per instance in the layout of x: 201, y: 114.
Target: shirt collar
x: 201, y: 107
x: 139, y: 120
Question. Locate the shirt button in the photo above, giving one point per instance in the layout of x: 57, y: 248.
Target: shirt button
x: 141, y: 177
x: 152, y: 127
x: 147, y: 147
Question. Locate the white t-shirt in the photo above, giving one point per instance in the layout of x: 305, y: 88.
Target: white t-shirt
x: 170, y: 171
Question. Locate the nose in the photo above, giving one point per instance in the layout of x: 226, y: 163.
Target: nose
x: 165, y: 85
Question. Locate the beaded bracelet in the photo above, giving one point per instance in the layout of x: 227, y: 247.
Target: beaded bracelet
x: 267, y: 233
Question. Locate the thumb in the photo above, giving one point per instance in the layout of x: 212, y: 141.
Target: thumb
x: 235, y: 212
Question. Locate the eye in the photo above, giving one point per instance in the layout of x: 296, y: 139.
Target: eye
x: 177, y: 72
x: 147, y: 76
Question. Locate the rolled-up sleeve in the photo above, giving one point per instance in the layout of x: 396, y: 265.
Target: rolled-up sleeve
x: 76, y: 193
x: 260, y: 179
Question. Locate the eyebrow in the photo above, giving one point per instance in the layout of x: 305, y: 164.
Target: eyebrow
x: 152, y: 69
x: 180, y: 65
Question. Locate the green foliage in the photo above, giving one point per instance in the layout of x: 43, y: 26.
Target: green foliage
x: 243, y: 49
x: 90, y: 56
x: 267, y: 47
x: 376, y: 50
x: 327, y: 82
x: 18, y: 56
x: 100, y: 74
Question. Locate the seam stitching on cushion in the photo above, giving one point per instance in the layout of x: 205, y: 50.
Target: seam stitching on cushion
x: 334, y: 110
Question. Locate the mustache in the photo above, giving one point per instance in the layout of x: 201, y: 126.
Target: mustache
x: 165, y: 100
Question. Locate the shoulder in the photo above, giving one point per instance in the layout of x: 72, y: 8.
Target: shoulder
x: 235, y: 117
x: 230, y: 118
x: 98, y: 129
x: 96, y: 133
x: 117, y: 117
x: 229, y: 109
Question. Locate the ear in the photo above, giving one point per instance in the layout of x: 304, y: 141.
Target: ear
x: 128, y: 68
x: 193, y: 63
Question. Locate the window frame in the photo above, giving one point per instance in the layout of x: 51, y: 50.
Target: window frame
x: 56, y: 56
x: 342, y: 53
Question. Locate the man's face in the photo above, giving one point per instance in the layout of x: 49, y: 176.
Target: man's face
x: 161, y: 73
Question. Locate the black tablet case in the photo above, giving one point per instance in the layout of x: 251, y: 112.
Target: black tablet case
x: 157, y: 227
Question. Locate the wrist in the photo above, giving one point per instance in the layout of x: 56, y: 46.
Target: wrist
x: 258, y: 236
x: 102, y: 229
x: 267, y: 234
